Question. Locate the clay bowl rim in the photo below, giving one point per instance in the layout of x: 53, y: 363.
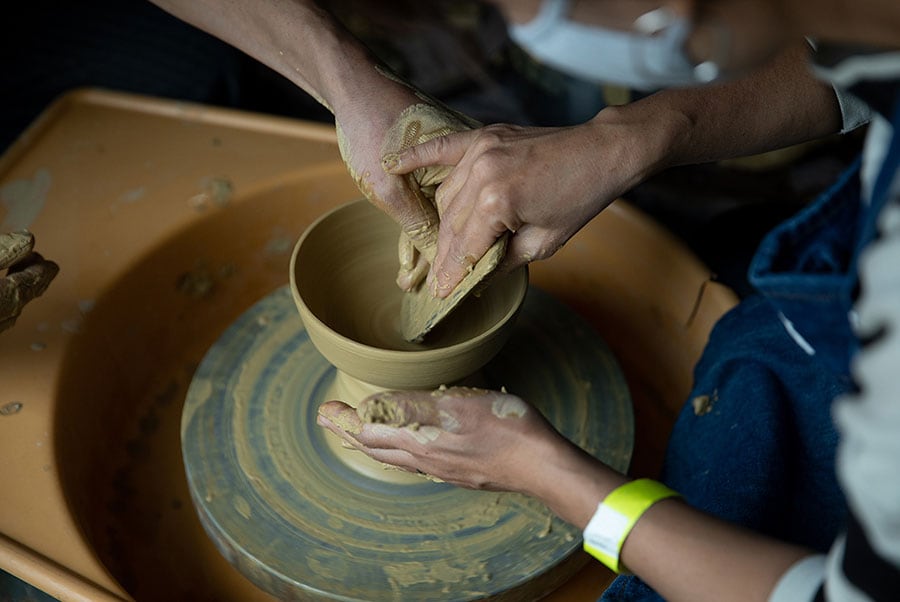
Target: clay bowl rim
x: 520, y: 275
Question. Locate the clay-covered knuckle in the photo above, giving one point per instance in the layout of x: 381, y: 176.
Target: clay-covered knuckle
x: 20, y: 287
x: 14, y: 247
x: 33, y: 276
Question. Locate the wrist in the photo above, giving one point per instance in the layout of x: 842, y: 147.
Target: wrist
x: 617, y: 515
x: 366, y: 93
x: 329, y: 63
x: 648, y: 136
x: 572, y: 483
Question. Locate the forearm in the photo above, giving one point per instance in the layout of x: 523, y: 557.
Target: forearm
x: 681, y: 552
x: 779, y: 105
x: 687, y: 555
x: 300, y: 41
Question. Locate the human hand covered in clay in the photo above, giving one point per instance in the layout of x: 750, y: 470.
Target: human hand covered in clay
x: 473, y: 438
x: 541, y: 184
x: 365, y: 138
x: 27, y: 275
x: 302, y: 41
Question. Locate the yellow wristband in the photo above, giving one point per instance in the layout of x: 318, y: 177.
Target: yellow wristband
x: 615, y: 517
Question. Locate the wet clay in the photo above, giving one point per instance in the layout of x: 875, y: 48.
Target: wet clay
x: 27, y: 275
x: 352, y: 391
x: 421, y: 310
x: 307, y: 526
x: 509, y: 407
x: 342, y: 281
x: 417, y: 419
x: 14, y: 247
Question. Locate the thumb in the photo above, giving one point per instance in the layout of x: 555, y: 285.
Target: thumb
x: 443, y: 150
x: 340, y: 415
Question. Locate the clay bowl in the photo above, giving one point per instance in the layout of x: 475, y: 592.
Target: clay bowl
x: 342, y: 280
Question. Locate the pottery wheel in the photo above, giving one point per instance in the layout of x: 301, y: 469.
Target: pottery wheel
x: 301, y: 524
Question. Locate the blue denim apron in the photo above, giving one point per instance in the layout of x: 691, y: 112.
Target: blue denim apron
x: 755, y: 444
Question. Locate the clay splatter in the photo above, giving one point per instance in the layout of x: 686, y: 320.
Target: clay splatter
x: 133, y: 196
x: 24, y: 199
x: 14, y: 407
x: 216, y: 192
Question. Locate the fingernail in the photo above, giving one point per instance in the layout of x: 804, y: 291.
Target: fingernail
x: 390, y: 162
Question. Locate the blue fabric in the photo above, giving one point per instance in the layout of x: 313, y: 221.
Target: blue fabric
x: 760, y: 451
x: 803, y: 267
x: 763, y: 455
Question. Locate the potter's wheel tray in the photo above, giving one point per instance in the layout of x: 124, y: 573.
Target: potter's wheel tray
x: 303, y: 525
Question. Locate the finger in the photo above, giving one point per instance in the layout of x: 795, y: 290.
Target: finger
x: 444, y: 150
x: 410, y: 259
x: 342, y: 416
x: 411, y: 438
x: 409, y: 279
x: 395, y: 457
x: 15, y: 246
x: 416, y: 215
x: 25, y: 281
x: 372, y: 446
x: 462, y: 242
x: 406, y: 252
x: 528, y: 244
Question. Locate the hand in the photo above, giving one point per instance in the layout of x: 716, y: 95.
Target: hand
x: 28, y: 275
x: 366, y: 136
x: 303, y: 42
x: 540, y: 184
x: 473, y: 438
